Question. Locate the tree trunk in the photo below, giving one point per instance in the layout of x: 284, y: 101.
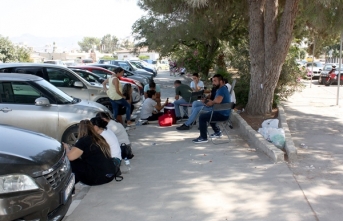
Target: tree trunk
x: 269, y: 42
x: 212, y: 48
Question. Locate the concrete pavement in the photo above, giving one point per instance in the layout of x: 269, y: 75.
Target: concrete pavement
x: 316, y: 122
x: 174, y: 179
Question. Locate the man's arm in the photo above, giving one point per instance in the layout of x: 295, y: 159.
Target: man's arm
x: 217, y: 100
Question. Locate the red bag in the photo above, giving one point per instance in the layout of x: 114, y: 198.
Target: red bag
x: 165, y: 120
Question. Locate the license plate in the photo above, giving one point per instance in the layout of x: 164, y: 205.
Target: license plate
x: 67, y: 191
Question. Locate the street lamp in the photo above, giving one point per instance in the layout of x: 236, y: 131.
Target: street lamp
x: 339, y: 68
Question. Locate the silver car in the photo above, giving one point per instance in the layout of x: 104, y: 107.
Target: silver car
x: 64, y: 79
x: 30, y: 102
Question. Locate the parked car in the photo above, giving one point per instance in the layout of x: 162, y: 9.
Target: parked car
x: 95, y: 79
x: 141, y: 65
x: 317, y: 68
x: 57, y: 62
x: 324, y: 74
x: 36, y: 181
x: 127, y: 74
x: 30, y: 102
x: 63, y: 78
x: 162, y: 65
x: 129, y: 67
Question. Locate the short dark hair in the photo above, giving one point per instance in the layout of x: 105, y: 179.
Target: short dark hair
x: 151, y: 93
x: 118, y: 70
x: 196, y: 75
x: 225, y: 80
x: 220, y: 77
x: 152, y: 84
x: 177, y: 82
x: 98, y: 121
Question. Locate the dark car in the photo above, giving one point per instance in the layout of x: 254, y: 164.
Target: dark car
x: 140, y: 65
x: 36, y: 181
x: 128, y: 74
x: 324, y: 74
x: 129, y: 67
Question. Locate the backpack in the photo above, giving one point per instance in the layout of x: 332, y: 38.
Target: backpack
x: 165, y: 120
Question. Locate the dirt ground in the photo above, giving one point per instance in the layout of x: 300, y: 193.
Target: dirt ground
x: 256, y: 121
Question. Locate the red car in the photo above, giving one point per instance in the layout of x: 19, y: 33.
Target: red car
x: 104, y: 73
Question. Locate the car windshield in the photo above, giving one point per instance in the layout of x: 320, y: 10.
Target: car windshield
x: 136, y: 64
x: 60, y: 96
x: 315, y: 64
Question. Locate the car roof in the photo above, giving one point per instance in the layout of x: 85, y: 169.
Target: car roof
x: 84, y: 67
x: 18, y: 77
x: 46, y: 65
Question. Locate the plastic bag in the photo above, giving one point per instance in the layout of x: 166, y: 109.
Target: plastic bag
x: 277, y: 137
x: 273, y: 123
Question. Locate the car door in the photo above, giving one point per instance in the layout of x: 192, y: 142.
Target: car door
x: 17, y: 108
x: 65, y: 80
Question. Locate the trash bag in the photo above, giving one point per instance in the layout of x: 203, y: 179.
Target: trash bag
x: 273, y: 123
x: 277, y: 137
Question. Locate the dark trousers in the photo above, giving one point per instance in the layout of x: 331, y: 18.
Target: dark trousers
x: 204, y: 118
x: 115, y: 107
x: 154, y: 117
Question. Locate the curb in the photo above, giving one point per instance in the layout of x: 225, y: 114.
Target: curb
x: 256, y: 140
x: 290, y: 148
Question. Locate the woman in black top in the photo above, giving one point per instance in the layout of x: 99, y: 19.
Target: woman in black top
x: 90, y: 158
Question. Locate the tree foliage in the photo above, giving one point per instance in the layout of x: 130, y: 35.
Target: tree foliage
x: 171, y: 26
x: 109, y: 43
x: 12, y: 53
x: 88, y: 43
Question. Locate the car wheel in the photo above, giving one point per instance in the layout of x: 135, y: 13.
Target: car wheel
x: 70, y: 135
x: 320, y: 80
x: 106, y: 102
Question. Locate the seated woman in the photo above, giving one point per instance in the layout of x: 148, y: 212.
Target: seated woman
x: 127, y: 93
x: 117, y: 128
x: 100, y: 126
x: 90, y: 158
x: 150, y: 108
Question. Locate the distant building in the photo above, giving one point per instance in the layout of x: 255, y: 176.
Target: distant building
x: 127, y: 54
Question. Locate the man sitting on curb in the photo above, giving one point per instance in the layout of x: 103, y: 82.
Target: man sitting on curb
x: 222, y: 96
x: 150, y: 108
x: 185, y: 92
x: 198, y: 106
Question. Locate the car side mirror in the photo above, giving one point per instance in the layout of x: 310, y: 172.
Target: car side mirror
x: 78, y: 84
x: 125, y: 74
x: 42, y: 101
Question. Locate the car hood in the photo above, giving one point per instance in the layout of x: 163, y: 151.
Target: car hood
x: 90, y: 106
x: 143, y: 72
x: 27, y: 152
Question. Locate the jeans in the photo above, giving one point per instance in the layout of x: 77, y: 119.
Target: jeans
x: 115, y: 107
x: 197, y: 106
x: 177, y: 107
x: 204, y: 118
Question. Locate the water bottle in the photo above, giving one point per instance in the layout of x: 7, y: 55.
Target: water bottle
x: 128, y: 166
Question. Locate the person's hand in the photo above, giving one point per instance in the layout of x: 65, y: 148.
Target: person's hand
x: 66, y: 146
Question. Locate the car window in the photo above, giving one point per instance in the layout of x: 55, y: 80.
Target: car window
x: 328, y: 68
x: 18, y: 93
x: 60, y: 77
x: 88, y: 77
x: 101, y: 73
x: 5, y: 70
x: 124, y: 65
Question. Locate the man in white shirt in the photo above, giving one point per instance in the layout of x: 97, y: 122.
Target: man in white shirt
x: 233, y: 96
x: 150, y: 108
x: 197, y: 84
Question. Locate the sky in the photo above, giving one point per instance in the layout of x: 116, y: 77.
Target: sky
x: 64, y: 18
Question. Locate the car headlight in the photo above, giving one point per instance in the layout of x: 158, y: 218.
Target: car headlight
x: 16, y: 183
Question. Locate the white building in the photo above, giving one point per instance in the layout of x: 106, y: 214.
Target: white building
x: 128, y: 54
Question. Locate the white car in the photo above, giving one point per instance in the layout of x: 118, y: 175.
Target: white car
x: 317, y: 68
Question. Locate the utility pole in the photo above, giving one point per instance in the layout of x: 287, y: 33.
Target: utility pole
x: 339, y: 68
x: 314, y: 45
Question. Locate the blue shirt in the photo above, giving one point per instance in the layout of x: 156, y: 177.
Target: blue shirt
x: 223, y: 91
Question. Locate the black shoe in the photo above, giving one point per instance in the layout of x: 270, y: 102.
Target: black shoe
x: 183, y: 127
x: 178, y: 118
x: 185, y: 117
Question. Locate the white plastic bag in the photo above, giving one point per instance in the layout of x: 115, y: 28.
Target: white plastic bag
x: 265, y: 132
x: 277, y: 137
x: 273, y: 123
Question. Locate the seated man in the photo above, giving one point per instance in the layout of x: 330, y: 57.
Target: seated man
x: 152, y: 86
x: 222, y: 96
x: 233, y: 96
x: 150, y: 109
x: 198, y: 106
x: 197, y: 84
x: 185, y: 92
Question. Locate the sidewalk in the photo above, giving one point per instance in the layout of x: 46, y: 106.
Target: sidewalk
x: 316, y: 122
x: 174, y: 179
